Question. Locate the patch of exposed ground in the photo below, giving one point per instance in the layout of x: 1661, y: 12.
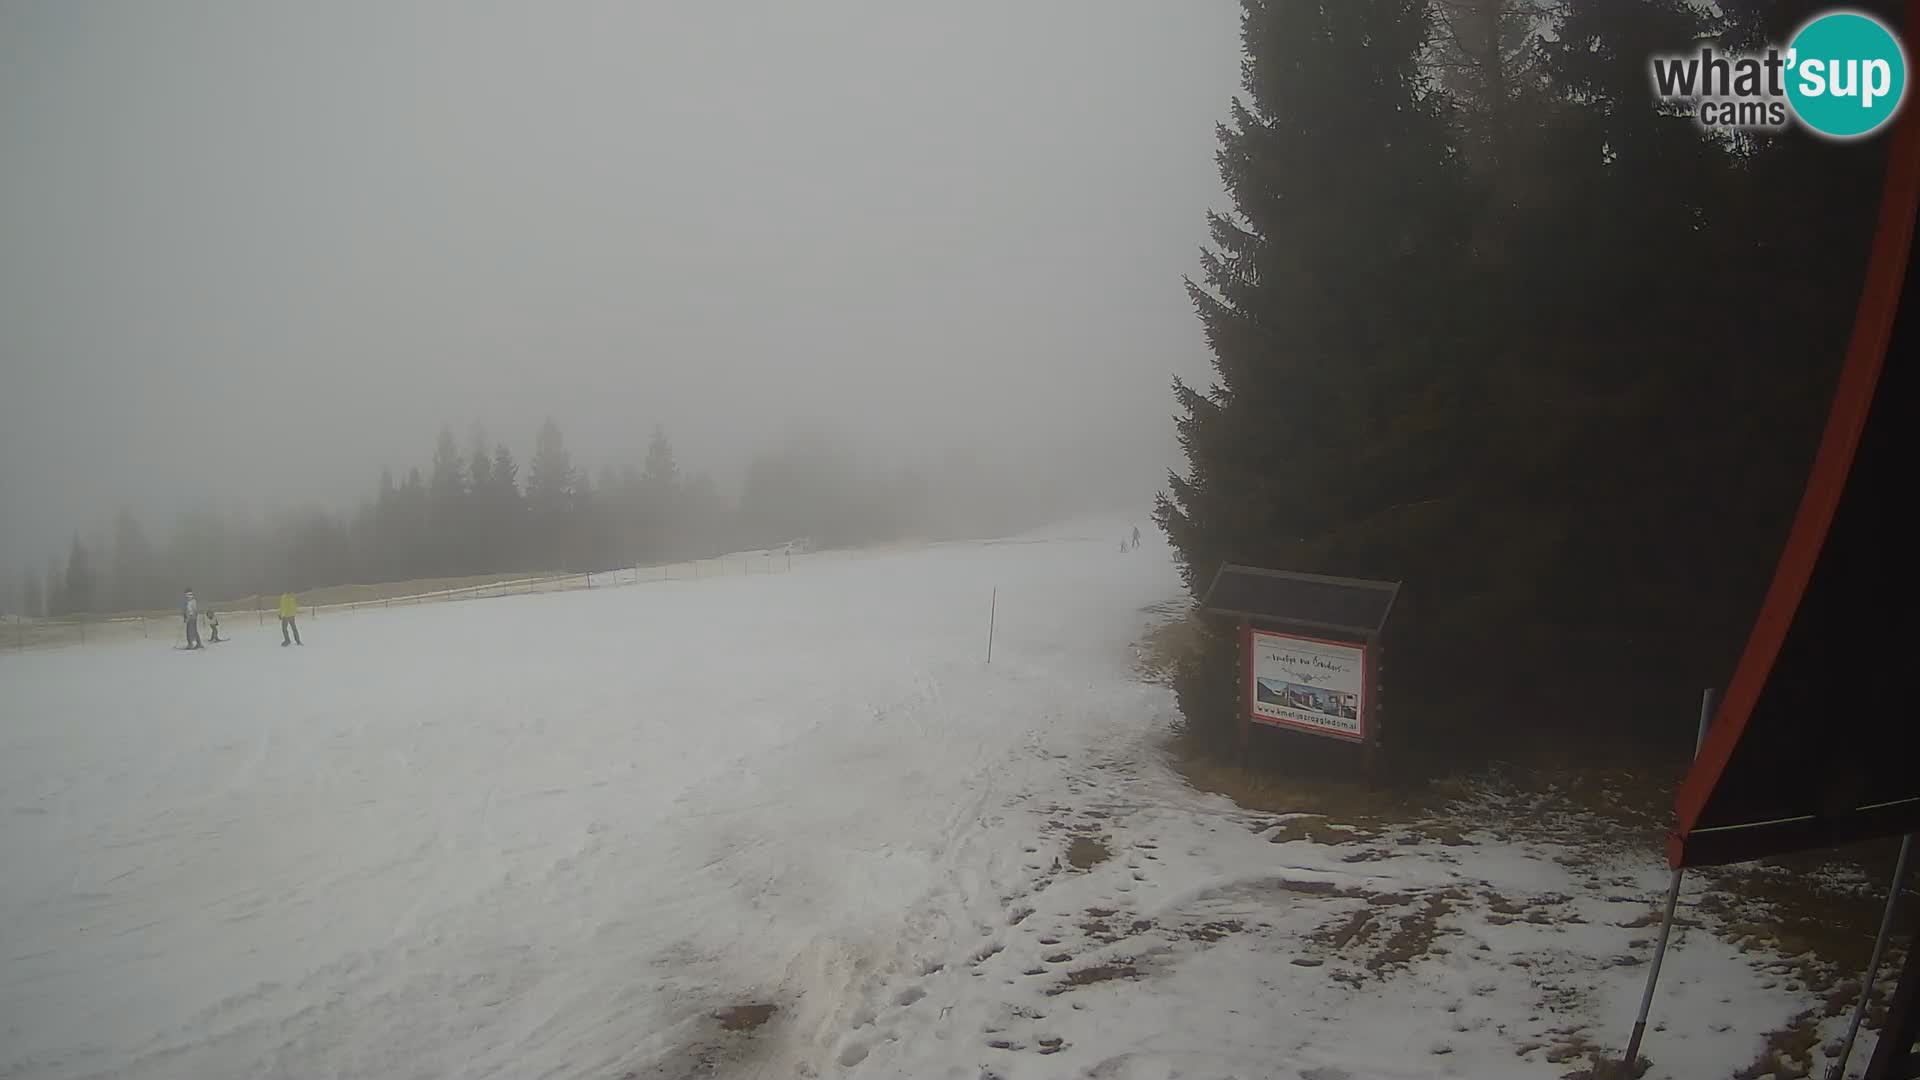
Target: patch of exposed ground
x: 1808, y: 922
x: 744, y: 1017
x: 1316, y: 829
x: 1084, y: 853
x: 727, y: 1039
x: 1118, y: 968
x: 1413, y: 938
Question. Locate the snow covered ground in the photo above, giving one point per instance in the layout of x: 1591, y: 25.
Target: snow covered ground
x: 558, y: 835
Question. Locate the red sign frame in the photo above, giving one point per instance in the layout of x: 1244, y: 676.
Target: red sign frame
x: 1363, y: 737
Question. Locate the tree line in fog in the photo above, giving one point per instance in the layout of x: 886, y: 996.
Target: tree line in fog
x: 478, y: 509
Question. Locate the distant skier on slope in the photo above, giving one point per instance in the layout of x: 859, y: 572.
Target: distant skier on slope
x: 289, y: 608
x: 1136, y: 537
x: 213, y: 627
x: 190, y: 614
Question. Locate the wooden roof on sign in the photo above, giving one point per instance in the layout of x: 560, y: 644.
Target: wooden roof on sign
x: 1356, y: 607
x: 1812, y: 744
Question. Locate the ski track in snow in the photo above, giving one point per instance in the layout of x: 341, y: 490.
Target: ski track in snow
x: 549, y: 835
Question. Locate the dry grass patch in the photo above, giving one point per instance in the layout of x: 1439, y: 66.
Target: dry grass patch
x: 1166, y: 646
x: 1349, y: 801
x: 1789, y: 1051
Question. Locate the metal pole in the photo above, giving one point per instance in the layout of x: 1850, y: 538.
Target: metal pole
x: 993, y: 613
x: 1873, y: 965
x: 1653, y: 975
x: 1666, y: 918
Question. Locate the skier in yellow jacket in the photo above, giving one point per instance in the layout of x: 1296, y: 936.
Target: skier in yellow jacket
x: 289, y: 607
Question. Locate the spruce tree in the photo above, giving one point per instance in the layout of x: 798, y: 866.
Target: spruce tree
x: 388, y: 556
x: 1323, y: 300
x: 1325, y: 305
x: 448, y: 506
x: 80, y: 578
x: 505, y: 512
x: 551, y: 480
x: 661, y: 475
x: 414, y: 508
x: 479, y: 466
x: 504, y: 476
x: 475, y: 544
x: 54, y: 599
x: 659, y: 498
x: 449, y: 475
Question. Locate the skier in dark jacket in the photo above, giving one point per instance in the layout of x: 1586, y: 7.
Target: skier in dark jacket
x: 190, y: 613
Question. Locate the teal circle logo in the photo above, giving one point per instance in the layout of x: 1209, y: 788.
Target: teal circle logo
x: 1847, y: 74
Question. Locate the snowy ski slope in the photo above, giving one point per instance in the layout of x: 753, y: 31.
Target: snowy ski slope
x: 551, y: 835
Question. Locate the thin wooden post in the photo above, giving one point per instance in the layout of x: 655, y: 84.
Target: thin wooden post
x: 1242, y: 659
x: 993, y: 613
x: 1371, y: 671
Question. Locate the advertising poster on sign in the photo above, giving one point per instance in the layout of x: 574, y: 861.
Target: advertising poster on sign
x: 1307, y: 684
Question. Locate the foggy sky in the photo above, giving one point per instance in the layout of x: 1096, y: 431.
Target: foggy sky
x: 257, y: 251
